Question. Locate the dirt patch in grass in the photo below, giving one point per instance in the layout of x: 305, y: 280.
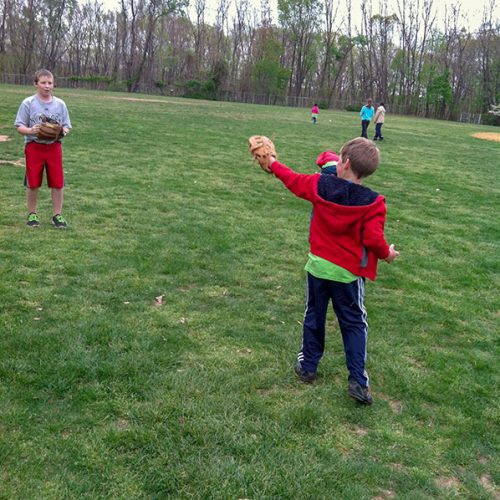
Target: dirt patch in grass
x: 447, y: 482
x: 4, y: 138
x: 122, y: 424
x: 395, y: 405
x: 360, y: 431
x: 488, y: 136
x: 487, y: 483
x: 399, y: 467
x: 16, y: 163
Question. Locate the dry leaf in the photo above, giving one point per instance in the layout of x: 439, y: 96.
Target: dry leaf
x: 159, y: 301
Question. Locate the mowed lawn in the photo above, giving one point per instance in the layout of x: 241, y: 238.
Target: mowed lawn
x: 147, y: 351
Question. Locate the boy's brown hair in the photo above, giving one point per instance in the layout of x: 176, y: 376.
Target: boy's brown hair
x: 363, y: 154
x: 43, y: 72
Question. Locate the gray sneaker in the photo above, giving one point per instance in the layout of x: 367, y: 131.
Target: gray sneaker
x: 360, y: 393
x: 59, y: 222
x: 306, y: 377
x: 33, y: 220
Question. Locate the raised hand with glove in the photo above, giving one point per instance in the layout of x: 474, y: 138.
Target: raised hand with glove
x: 263, y: 151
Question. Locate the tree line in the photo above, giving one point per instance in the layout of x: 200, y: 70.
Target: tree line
x: 304, y: 52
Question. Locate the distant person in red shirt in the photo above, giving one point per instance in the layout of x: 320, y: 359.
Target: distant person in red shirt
x: 346, y: 242
x: 314, y: 113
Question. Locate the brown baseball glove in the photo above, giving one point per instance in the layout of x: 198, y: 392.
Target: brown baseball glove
x: 49, y: 130
x: 262, y: 149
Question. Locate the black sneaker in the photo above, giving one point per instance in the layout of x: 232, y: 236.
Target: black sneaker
x: 306, y: 377
x: 59, y: 222
x: 360, y: 393
x: 33, y: 220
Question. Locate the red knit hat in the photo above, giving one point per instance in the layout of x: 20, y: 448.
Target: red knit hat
x: 326, y: 157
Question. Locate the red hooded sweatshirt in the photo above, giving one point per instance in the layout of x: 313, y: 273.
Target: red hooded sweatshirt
x: 347, y: 227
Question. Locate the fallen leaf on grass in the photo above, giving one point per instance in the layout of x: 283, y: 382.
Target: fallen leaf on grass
x: 159, y: 301
x: 384, y: 495
x: 245, y: 350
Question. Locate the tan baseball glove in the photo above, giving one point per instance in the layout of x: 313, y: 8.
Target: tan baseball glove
x: 49, y: 130
x: 262, y: 149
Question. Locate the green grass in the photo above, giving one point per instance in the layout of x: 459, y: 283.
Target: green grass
x: 105, y: 395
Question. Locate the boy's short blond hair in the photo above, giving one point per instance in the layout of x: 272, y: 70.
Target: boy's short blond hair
x: 43, y: 72
x: 363, y: 154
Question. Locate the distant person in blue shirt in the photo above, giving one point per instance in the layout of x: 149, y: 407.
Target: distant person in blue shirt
x: 366, y: 113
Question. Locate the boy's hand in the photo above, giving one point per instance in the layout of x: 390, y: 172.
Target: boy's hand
x: 262, y: 149
x: 392, y: 254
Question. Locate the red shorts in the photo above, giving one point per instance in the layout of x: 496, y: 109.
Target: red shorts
x: 40, y: 156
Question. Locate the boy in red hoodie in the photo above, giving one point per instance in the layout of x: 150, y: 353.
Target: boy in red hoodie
x: 327, y: 162
x: 346, y: 241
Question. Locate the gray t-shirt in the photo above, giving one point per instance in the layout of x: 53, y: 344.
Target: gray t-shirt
x: 32, y: 110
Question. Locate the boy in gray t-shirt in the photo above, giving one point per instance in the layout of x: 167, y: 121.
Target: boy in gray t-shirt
x: 43, y: 154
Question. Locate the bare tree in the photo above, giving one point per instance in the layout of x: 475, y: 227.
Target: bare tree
x: 139, y: 21
x: 55, y: 18
x: 24, y: 33
x: 300, y: 20
x: 240, y: 36
x: 382, y: 50
x: 489, y: 56
x: 415, y: 24
x: 5, y: 11
x: 200, y: 33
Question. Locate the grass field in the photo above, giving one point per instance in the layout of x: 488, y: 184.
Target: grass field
x: 105, y: 394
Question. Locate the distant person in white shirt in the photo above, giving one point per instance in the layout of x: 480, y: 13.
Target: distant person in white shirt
x: 379, y: 121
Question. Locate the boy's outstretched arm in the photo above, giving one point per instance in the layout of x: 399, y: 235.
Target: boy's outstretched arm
x: 301, y: 185
x: 392, y: 254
